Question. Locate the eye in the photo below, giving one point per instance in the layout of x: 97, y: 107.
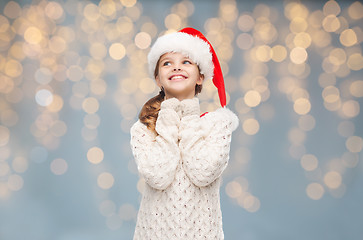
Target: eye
x: 166, y: 63
x: 187, y: 62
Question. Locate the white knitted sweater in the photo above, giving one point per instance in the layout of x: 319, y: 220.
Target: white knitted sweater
x: 182, y: 166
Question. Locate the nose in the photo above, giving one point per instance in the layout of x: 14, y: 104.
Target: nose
x: 176, y: 69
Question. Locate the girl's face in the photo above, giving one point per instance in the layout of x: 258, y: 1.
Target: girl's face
x: 178, y: 75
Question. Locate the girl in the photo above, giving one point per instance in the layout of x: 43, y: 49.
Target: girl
x: 180, y: 154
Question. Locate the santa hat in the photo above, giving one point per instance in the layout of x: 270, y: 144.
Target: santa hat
x: 194, y: 45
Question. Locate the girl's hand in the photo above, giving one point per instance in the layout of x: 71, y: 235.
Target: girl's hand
x: 190, y: 107
x: 172, y: 103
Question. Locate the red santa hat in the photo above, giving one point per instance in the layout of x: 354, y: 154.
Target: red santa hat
x: 194, y: 45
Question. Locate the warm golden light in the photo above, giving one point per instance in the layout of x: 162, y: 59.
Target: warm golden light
x: 302, y: 106
x: 348, y: 37
x: 315, y: 191
x: 251, y: 126
x: 105, y: 180
x: 309, y: 162
x: 95, y: 155
x: 298, y: 55
x: 333, y: 179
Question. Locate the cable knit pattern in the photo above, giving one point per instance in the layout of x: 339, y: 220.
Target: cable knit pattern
x: 182, y: 166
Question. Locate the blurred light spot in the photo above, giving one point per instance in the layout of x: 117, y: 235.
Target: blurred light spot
x: 298, y: 25
x: 331, y: 7
x: 95, y: 155
x: 91, y: 12
x: 107, y: 8
x: 263, y: 53
x: 302, y: 39
x: 128, y: 3
x: 124, y: 25
x: 75, y: 73
x: 348, y: 38
x: 58, y: 166
x: 4, y: 24
x: 332, y: 179
x: 114, y: 222
x: 4, y: 136
x: 142, y: 40
x: 355, y: 61
x: 244, y: 41
x: 251, y: 126
x: 355, y: 10
x: 127, y: 212
x: 15, y: 182
x: 172, y: 21
x: 44, y: 97
x: 251, y: 204
x: 91, y: 121
x: 354, y: 144
x: 117, y: 51
x: 356, y: 88
x: 297, y: 136
x: 13, y: 68
x: 98, y: 87
x: 12, y: 10
x: 98, y: 50
x: 89, y: 134
x: 107, y: 208
x: 306, y: 122
x: 321, y: 38
x: 57, y: 44
x: 302, y: 106
x: 298, y: 55
x: 56, y: 105
x: 4, y: 190
x: 33, y: 35
x: 350, y: 108
x: 350, y: 159
x: 147, y: 85
x: 128, y: 111
x: 346, y: 128
x: 43, y: 76
x: 90, y: 105
x: 233, y: 189
x: 331, y: 23
x: 20, y: 164
x: 297, y: 151
x: 53, y: 10
x: 337, y: 56
x: 309, y: 162
x: 331, y: 94
x: 141, y: 185
x: 105, y: 180
x: 296, y: 9
x: 315, y: 191
x: 278, y: 53
x: 245, y: 23
x: 9, y: 117
x: 38, y: 154
x: 4, y: 169
x: 58, y: 128
x: 252, y: 98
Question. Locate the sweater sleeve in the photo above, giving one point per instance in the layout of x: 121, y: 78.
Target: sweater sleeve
x: 157, y: 157
x: 205, y: 144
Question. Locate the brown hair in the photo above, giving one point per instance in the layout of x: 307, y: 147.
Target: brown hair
x: 150, y: 111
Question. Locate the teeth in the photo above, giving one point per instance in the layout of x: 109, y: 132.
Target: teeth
x: 177, y: 77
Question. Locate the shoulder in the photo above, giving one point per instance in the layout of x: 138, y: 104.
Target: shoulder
x: 222, y: 115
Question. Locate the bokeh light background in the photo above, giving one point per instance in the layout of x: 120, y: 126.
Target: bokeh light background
x: 73, y: 77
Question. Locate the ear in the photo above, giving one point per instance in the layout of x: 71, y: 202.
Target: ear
x: 200, y: 79
x: 157, y: 79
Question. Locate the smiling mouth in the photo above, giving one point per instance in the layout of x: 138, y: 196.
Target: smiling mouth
x: 177, y: 77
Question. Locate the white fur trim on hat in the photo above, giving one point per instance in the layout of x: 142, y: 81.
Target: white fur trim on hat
x: 193, y: 47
